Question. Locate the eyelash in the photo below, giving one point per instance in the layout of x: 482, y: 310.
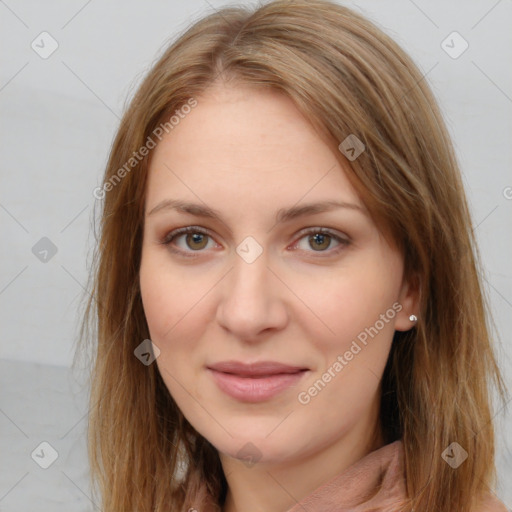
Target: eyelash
x: 170, y: 237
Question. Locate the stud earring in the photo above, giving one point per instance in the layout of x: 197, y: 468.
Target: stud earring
x: 413, y: 318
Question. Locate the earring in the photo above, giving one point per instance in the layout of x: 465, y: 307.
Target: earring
x: 413, y: 318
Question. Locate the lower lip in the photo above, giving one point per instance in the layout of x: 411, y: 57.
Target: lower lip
x: 255, y: 389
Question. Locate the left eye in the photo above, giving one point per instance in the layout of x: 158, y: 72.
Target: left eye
x: 320, y: 240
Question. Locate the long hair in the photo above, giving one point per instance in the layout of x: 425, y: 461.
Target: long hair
x: 347, y: 77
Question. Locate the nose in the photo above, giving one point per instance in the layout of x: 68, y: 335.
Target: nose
x: 251, y: 300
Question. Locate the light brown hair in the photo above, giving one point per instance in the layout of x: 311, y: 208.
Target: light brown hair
x: 347, y: 77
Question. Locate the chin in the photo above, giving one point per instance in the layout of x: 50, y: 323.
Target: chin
x: 256, y: 451
x: 254, y: 444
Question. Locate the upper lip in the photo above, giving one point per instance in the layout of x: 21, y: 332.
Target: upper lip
x: 255, y: 369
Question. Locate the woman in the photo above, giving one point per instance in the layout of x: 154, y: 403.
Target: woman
x: 288, y: 302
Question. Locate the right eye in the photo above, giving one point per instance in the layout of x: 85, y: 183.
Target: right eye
x: 195, y: 238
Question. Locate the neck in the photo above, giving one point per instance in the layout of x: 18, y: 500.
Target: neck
x: 278, y: 486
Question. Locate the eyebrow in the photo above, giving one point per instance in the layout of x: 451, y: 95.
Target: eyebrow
x: 283, y: 215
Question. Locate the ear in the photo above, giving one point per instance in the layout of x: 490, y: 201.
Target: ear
x: 409, y: 299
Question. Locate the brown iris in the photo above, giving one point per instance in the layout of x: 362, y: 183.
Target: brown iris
x: 196, y: 238
x: 323, y: 239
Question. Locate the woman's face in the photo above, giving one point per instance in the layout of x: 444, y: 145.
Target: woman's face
x: 264, y: 277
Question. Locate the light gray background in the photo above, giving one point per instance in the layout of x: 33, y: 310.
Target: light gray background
x: 59, y: 116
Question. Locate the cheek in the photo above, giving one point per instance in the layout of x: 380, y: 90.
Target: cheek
x: 170, y: 298
x: 345, y: 304
x: 165, y: 314
x: 174, y: 304
x: 351, y: 361
x: 357, y: 306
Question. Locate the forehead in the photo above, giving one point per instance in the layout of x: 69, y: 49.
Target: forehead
x: 250, y: 146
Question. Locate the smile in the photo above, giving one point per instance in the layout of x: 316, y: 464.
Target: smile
x: 255, y: 382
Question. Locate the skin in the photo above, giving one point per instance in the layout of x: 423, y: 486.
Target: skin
x: 248, y: 153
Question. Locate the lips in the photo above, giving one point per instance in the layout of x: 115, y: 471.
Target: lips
x: 261, y: 369
x: 255, y: 382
